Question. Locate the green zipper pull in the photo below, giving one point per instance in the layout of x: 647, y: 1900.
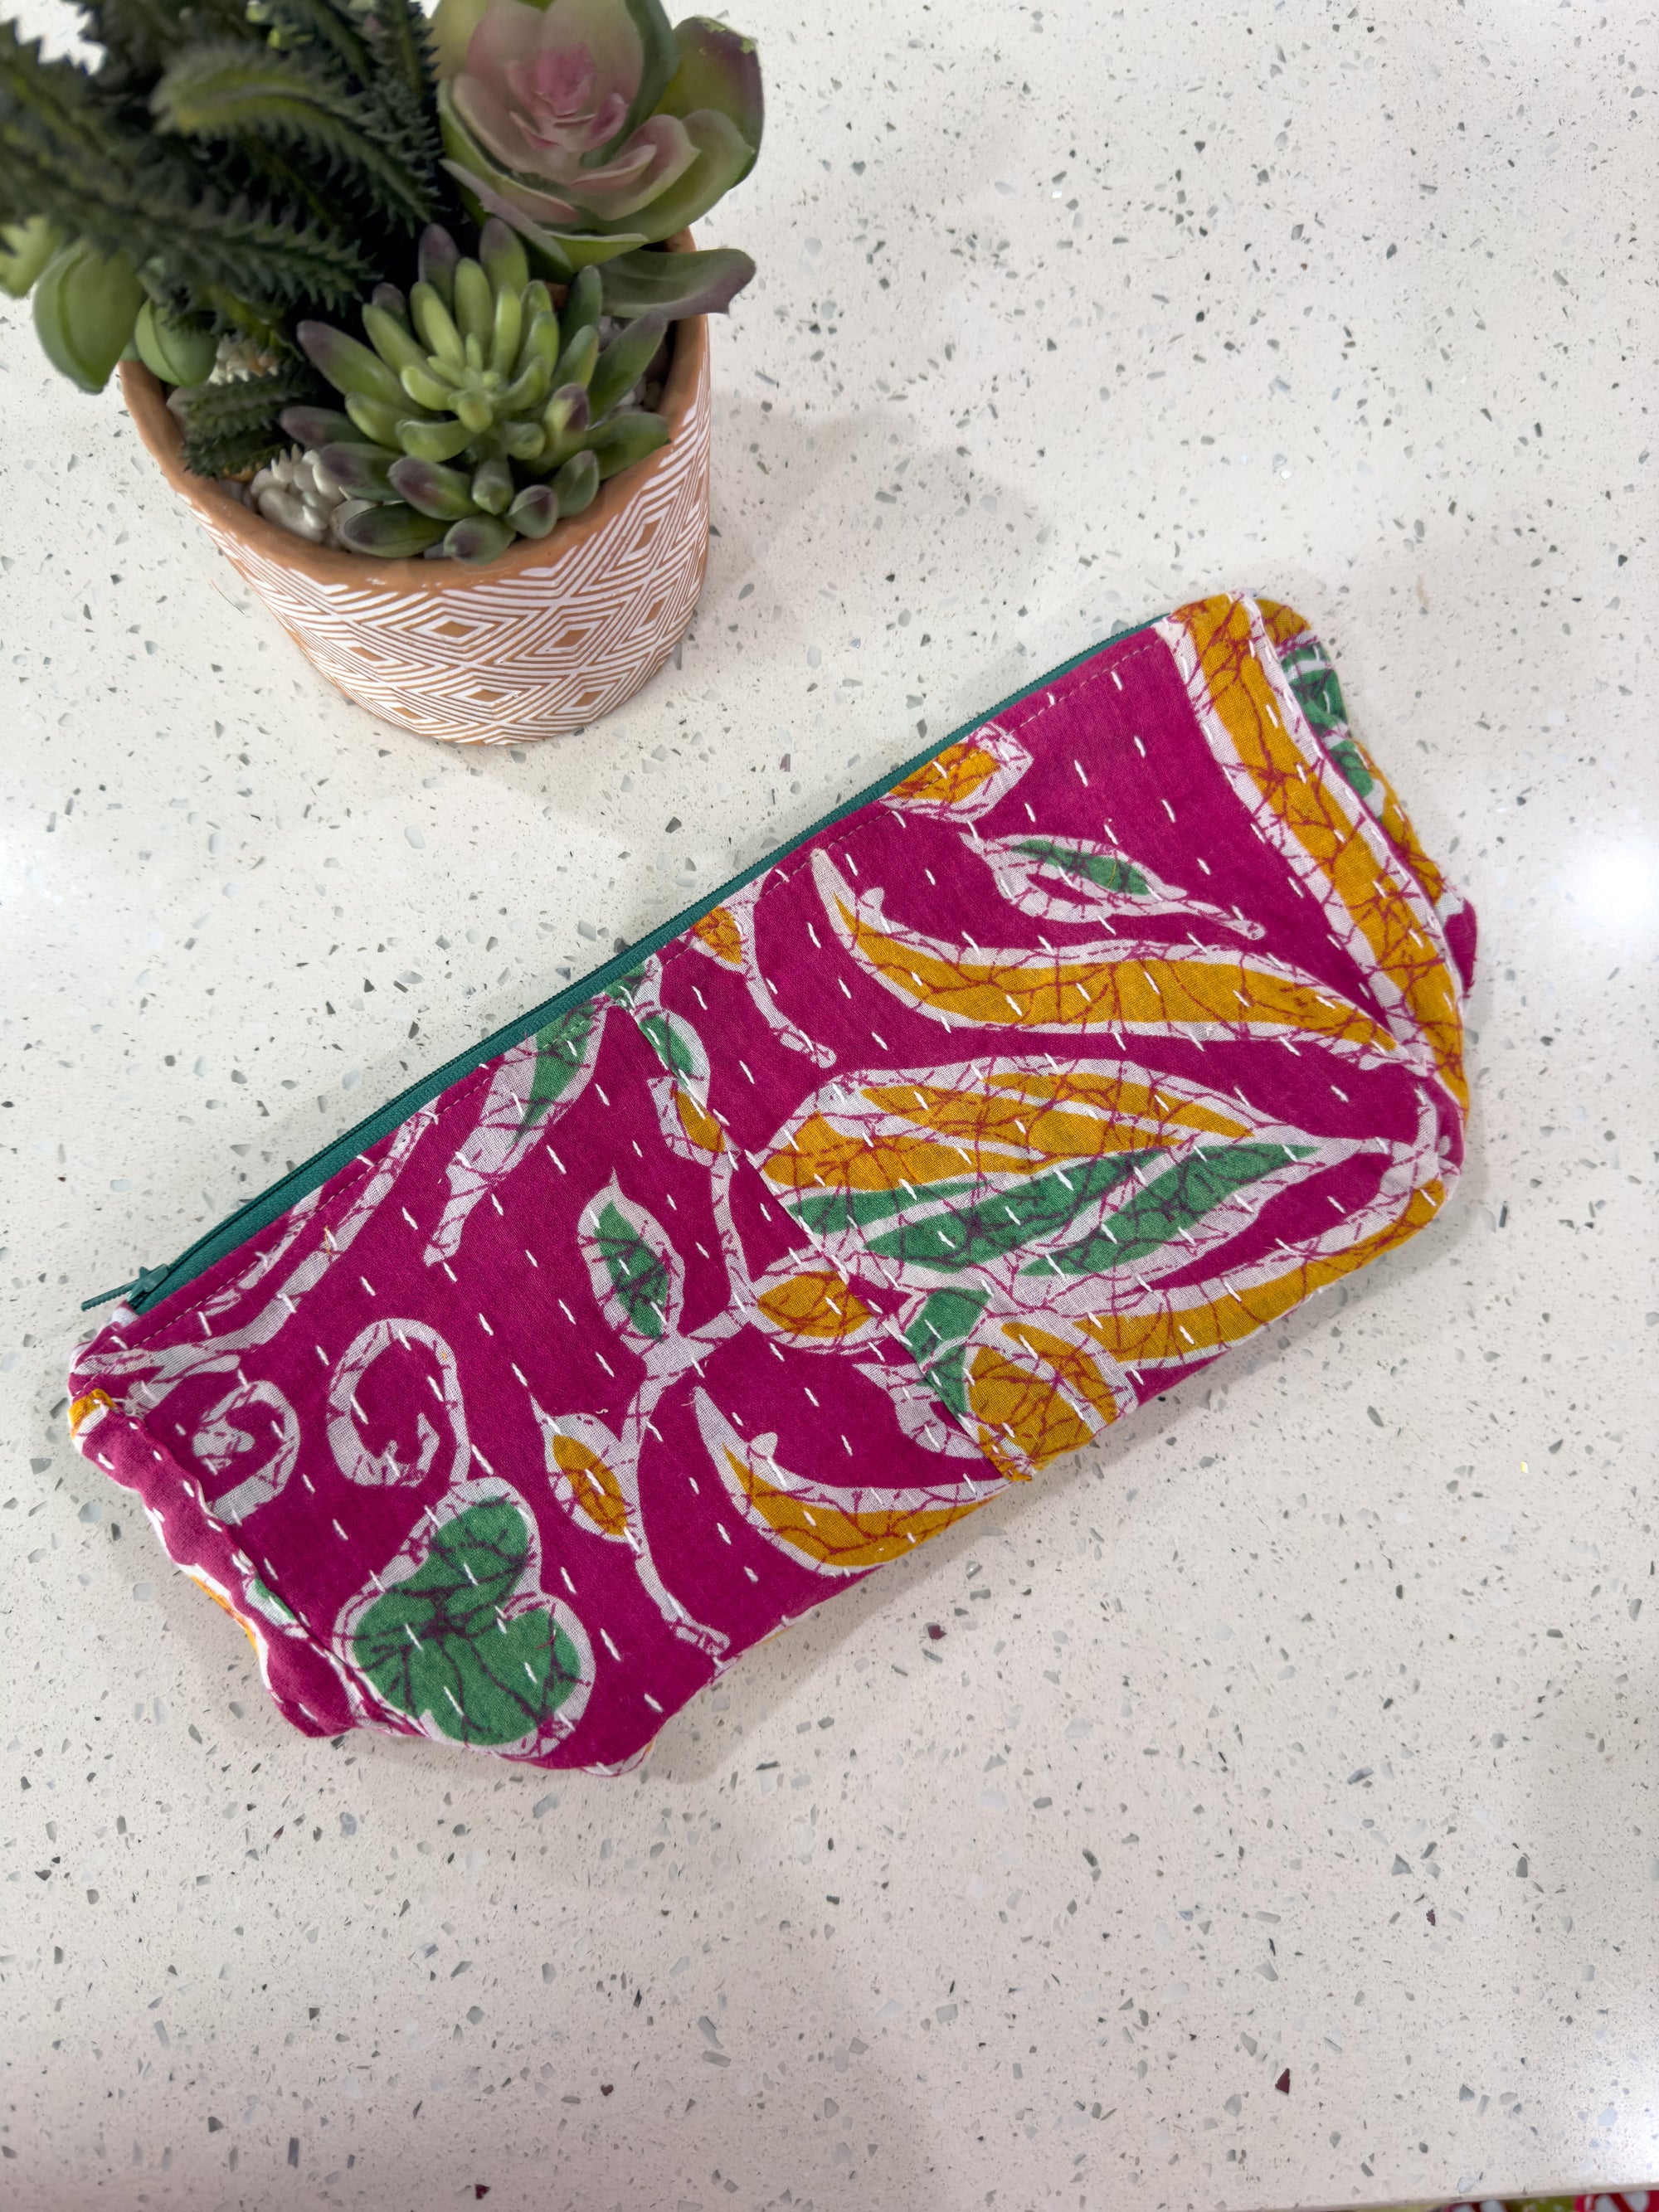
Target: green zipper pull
x: 143, y: 1282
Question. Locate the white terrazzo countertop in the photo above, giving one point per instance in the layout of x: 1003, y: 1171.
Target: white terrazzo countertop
x: 1311, y: 1725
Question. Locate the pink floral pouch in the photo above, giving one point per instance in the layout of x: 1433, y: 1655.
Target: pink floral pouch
x: 1009, y: 1095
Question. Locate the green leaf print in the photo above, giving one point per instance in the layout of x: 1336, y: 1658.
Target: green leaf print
x: 439, y: 1643
x: 559, y: 1049
x: 1315, y: 683
x: 996, y: 1221
x: 835, y: 1210
x: 621, y: 988
x: 1106, y: 871
x: 674, y: 1045
x: 266, y: 1601
x: 937, y: 1337
x: 1351, y: 768
x: 950, y: 1238
x: 1314, y: 680
x: 639, y: 1278
x: 1179, y: 1199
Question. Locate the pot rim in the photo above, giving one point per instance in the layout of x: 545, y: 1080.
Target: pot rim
x: 158, y: 428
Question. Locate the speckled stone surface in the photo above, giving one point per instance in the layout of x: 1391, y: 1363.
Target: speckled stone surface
x: 1309, y: 1727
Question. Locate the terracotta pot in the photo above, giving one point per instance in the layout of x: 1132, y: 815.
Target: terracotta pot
x: 547, y: 639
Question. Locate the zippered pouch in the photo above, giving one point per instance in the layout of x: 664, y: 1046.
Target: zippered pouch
x: 1008, y: 1097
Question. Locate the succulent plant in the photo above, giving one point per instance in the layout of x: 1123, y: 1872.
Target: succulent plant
x: 296, y: 491
x: 25, y: 250
x: 234, y: 169
x: 85, y: 306
x: 225, y: 166
x: 230, y: 423
x: 597, y: 132
x: 478, y: 411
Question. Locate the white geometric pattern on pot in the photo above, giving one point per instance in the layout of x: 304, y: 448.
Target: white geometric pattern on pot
x: 543, y: 641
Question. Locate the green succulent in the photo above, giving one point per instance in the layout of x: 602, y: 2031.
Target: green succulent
x: 235, y: 166
x: 177, y: 349
x: 478, y: 411
x: 85, y: 306
x: 597, y: 131
x: 25, y: 250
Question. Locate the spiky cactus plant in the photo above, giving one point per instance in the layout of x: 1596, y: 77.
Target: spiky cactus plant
x: 231, y: 170
x: 225, y: 167
x: 477, y: 412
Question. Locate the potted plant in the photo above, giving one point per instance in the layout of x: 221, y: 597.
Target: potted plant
x: 487, y: 518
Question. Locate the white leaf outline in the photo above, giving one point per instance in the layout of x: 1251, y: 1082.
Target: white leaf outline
x: 498, y: 1141
x: 1008, y: 1277
x: 851, y: 912
x: 587, y: 1431
x: 1002, y: 746
x: 1414, y: 1166
x: 162, y: 1367
x: 621, y: 1456
x: 1019, y: 875
x: 651, y: 1233
x: 789, y: 1268
x: 920, y: 1415
x: 740, y: 910
x: 735, y: 1457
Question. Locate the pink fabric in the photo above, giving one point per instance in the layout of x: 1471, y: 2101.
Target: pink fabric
x: 1005, y: 1103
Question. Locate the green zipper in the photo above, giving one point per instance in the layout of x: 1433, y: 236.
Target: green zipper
x: 151, y: 1285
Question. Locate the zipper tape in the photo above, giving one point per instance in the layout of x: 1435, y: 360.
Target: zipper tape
x: 151, y: 1285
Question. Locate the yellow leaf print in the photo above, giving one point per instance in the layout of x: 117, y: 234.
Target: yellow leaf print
x: 592, y: 1488
x: 1028, y: 1175
x: 1115, y: 984
x: 1078, y: 1376
x: 1283, y: 624
x: 86, y: 1411
x: 837, y: 1532
x: 815, y: 1304
x: 1241, y: 718
x: 999, y: 1118
x: 1215, y: 1318
x: 580, y: 1450
x: 1025, y: 1413
x: 819, y: 1153
x: 718, y: 932
x: 1398, y: 824
x: 698, y: 1123
x: 967, y: 778
x: 1041, y: 1116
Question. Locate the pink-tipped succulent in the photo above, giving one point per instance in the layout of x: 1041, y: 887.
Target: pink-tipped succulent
x: 597, y: 132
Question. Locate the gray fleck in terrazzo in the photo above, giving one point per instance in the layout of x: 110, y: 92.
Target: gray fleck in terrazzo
x: 1306, y: 1729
